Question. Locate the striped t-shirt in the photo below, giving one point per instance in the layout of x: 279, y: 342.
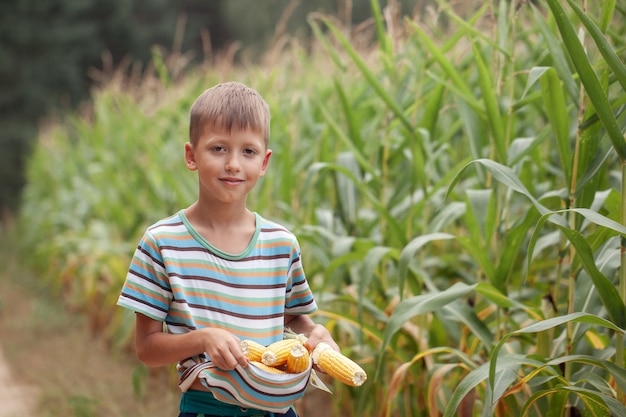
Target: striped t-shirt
x: 179, y: 278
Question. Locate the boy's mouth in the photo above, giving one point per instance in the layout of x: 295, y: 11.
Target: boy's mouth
x: 232, y: 181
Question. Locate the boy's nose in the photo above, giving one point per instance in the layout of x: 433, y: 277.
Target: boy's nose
x: 232, y: 163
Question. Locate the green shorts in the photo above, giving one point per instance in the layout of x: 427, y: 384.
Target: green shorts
x: 202, y: 403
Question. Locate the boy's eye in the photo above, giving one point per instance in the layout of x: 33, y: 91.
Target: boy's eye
x: 249, y: 151
x: 218, y: 148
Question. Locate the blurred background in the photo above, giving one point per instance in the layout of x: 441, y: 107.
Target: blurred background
x: 453, y: 170
x: 51, y: 52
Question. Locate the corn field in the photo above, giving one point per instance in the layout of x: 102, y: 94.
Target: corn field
x: 456, y: 179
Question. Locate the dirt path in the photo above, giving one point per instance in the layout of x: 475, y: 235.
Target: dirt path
x: 16, y: 400
x: 56, y: 344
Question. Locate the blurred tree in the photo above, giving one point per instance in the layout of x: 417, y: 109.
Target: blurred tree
x: 46, y: 47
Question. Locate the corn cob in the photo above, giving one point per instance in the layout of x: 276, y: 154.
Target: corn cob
x: 298, y: 359
x: 267, y: 368
x: 252, y: 350
x: 276, y: 354
x: 338, y: 365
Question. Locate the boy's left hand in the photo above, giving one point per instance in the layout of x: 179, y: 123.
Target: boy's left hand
x: 320, y: 334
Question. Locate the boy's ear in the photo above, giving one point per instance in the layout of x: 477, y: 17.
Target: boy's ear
x: 266, y: 161
x: 190, y: 157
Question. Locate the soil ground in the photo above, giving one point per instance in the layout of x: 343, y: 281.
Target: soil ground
x: 15, y: 398
x: 52, y: 365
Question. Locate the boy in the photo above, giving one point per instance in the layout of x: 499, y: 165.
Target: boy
x: 215, y: 272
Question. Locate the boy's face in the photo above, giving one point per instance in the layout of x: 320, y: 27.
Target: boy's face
x: 229, y: 164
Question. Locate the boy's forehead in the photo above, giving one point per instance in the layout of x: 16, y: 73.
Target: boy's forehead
x: 216, y: 131
x: 234, y: 122
x: 221, y: 128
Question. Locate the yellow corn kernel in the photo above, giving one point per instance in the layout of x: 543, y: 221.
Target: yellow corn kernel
x: 338, y: 365
x: 267, y: 368
x: 252, y: 350
x: 276, y: 354
x: 298, y: 359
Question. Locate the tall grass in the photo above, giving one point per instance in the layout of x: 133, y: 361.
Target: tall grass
x: 455, y: 179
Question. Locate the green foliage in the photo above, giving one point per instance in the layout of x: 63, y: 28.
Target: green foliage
x: 457, y: 190
x: 83, y: 406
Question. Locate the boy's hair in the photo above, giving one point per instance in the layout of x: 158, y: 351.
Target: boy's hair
x: 230, y: 106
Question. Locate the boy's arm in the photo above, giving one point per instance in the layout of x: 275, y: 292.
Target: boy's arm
x: 156, y: 348
x: 300, y: 323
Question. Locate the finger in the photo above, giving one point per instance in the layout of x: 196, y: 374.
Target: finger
x: 238, y: 356
x: 226, y: 362
x: 224, y: 359
x: 234, y: 356
x: 311, y: 343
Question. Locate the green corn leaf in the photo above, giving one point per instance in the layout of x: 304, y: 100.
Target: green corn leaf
x: 414, y: 152
x: 589, y: 79
x: 432, y: 108
x: 599, y: 219
x: 464, y: 314
x: 510, y: 257
x: 589, y: 162
x: 472, y: 222
x: 354, y: 132
x: 500, y: 299
x: 597, y: 404
x: 606, y: 290
x: 477, y: 376
x: 599, y: 163
x: 483, y: 258
x: 492, y: 107
x: 408, y: 253
x: 609, y: 295
x: 381, y: 34
x: 371, y: 263
x: 420, y: 304
x: 608, y: 8
x: 534, y: 76
x: 462, y: 358
x: 610, y: 56
x: 545, y: 325
x: 370, y: 76
x: 316, y: 168
x: 559, y: 59
x: 556, y: 109
x: 475, y: 131
x: 347, y: 193
x: 618, y: 373
x: 340, y: 134
x: 323, y: 39
x: 507, y: 177
x: 468, y: 26
x: 458, y: 81
x: 558, y: 392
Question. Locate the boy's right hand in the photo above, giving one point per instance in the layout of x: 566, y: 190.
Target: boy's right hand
x: 223, y: 348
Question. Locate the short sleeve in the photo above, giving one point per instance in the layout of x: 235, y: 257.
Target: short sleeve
x: 299, y: 297
x: 147, y: 289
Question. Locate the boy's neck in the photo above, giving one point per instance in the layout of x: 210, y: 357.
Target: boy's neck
x: 218, y: 217
x: 226, y: 228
